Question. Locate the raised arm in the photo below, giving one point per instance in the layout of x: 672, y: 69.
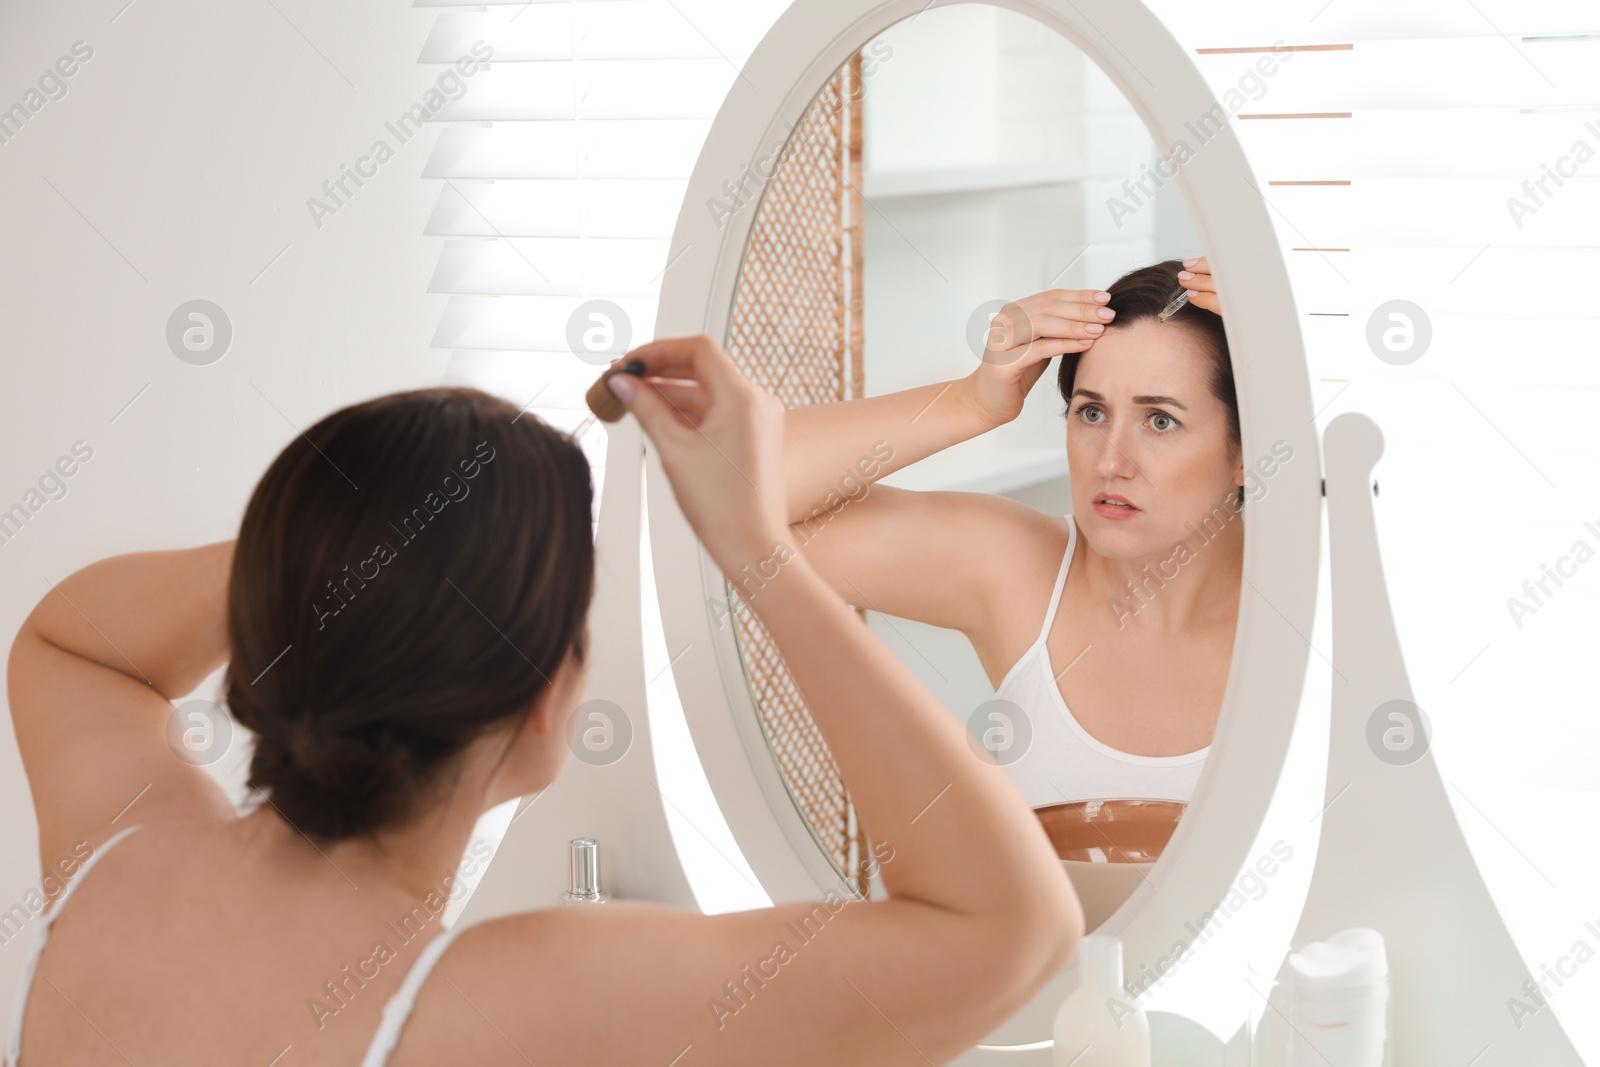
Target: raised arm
x: 91, y: 679
x: 869, y: 438
x: 979, y: 915
x: 859, y: 441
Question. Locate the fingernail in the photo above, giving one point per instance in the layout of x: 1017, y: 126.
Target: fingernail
x: 1094, y: 327
x: 621, y: 387
x: 1102, y: 298
x: 1191, y: 262
x: 1184, y: 275
x: 1105, y: 313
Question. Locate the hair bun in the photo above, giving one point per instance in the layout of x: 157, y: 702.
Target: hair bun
x: 328, y: 784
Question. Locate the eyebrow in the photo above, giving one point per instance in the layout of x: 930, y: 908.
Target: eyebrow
x: 1092, y: 395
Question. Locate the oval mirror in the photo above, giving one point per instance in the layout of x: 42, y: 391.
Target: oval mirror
x: 962, y: 158
x: 882, y: 209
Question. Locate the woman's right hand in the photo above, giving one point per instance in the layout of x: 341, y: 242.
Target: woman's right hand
x: 1024, y: 336
x: 720, y: 440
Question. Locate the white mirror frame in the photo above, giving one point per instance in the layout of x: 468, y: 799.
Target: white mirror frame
x: 1282, y: 555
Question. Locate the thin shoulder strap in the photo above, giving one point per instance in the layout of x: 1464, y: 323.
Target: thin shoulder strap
x: 398, y: 1010
x: 41, y: 934
x: 1061, y: 580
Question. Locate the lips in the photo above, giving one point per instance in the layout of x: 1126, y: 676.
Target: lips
x: 1115, y: 507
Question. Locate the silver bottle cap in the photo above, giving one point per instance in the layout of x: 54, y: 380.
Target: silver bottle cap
x: 584, y: 857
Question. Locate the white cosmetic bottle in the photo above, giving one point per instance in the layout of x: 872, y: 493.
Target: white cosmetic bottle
x: 1098, y: 1024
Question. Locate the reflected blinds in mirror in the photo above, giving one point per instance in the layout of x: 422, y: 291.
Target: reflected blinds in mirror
x: 796, y: 331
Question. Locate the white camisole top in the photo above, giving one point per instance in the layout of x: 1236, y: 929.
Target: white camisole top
x: 395, y: 1012
x: 1059, y: 760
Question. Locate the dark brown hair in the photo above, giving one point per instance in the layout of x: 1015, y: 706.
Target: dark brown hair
x: 1141, y: 294
x: 409, y: 573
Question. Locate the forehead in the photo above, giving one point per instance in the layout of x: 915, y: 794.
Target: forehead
x: 1146, y: 357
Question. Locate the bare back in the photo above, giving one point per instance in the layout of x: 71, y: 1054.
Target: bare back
x: 211, y: 944
x: 198, y: 942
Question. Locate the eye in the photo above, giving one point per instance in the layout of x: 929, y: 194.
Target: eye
x: 1163, y: 415
x: 1081, y: 408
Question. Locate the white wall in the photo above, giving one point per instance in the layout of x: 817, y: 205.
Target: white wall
x: 191, y: 140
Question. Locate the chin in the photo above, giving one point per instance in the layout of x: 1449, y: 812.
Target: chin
x: 1130, y: 539
x: 1106, y: 533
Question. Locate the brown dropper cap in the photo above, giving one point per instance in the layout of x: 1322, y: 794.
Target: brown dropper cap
x: 602, y: 401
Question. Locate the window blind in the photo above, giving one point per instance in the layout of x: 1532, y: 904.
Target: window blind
x: 1448, y: 156
x: 560, y: 170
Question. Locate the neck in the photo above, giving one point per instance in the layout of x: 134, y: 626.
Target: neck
x: 417, y: 859
x: 409, y: 862
x: 1191, y: 584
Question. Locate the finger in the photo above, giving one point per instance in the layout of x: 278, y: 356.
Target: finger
x: 684, y: 392
x: 1050, y: 347
x: 657, y: 416
x: 1052, y: 326
x: 698, y: 358
x: 1208, y: 301
x: 1201, y: 283
x: 1088, y: 312
x: 1038, y: 351
x: 1077, y: 296
x: 664, y: 357
x: 687, y: 398
x: 1068, y: 303
x: 1198, y: 264
x: 1013, y: 325
x: 1071, y: 303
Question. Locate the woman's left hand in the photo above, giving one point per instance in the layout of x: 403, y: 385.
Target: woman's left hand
x: 1196, y: 277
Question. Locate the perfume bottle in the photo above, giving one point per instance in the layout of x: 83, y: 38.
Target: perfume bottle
x: 583, y: 854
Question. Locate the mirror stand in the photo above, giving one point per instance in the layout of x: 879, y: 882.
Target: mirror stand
x: 1392, y: 856
x: 608, y: 789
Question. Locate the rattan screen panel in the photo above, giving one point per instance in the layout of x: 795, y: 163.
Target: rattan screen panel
x: 795, y: 330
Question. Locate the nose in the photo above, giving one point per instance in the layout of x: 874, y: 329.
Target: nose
x: 1111, y: 458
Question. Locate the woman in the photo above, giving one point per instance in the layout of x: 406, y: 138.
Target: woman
x: 403, y: 618
x: 1120, y: 684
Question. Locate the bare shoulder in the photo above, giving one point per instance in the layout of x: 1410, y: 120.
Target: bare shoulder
x: 1025, y: 526
x: 1018, y: 539
x: 1026, y: 553
x: 947, y: 558
x: 636, y: 982
x: 1010, y: 530
x: 555, y: 986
